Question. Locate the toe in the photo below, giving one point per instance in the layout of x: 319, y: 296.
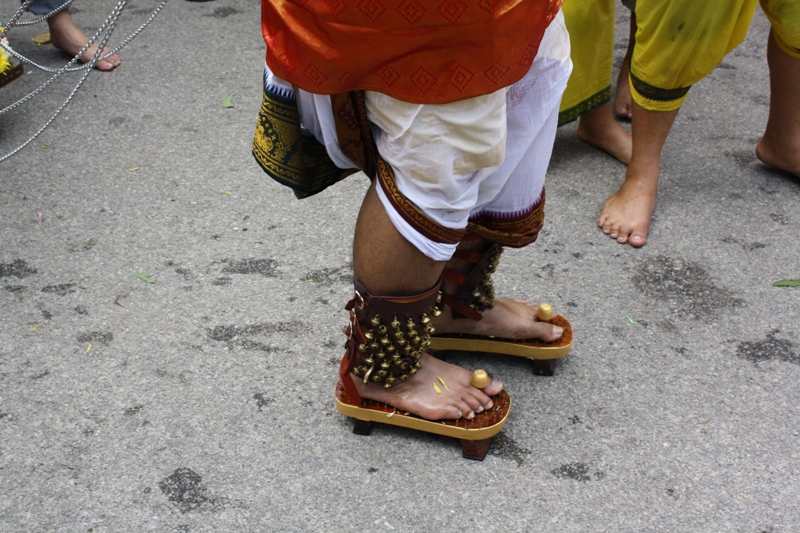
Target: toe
x: 637, y: 240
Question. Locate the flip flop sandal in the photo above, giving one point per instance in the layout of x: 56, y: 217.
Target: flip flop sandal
x: 475, y: 435
x: 543, y: 355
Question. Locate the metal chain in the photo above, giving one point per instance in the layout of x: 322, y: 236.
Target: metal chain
x: 105, y: 30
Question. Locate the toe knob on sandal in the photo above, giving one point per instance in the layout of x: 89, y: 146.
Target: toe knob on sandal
x: 480, y: 379
x: 545, y: 312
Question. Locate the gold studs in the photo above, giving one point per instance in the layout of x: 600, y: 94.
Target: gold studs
x: 383, y: 329
x: 362, y: 347
x: 395, y: 323
x: 385, y: 341
x: 376, y: 321
x: 385, y: 365
x: 369, y: 335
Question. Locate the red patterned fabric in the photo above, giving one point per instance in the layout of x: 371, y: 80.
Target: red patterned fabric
x: 421, y: 51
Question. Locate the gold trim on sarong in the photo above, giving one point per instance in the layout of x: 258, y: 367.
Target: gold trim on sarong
x: 411, y: 213
x: 572, y: 114
x: 514, y: 232
x: 288, y: 154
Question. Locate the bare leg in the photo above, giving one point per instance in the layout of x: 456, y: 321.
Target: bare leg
x: 387, y: 264
x: 626, y: 214
x: 598, y: 128
x: 622, y: 100
x: 509, y: 318
x: 67, y: 37
x: 780, y: 145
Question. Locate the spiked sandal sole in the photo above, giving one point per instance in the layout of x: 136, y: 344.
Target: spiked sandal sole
x: 532, y: 348
x: 475, y: 434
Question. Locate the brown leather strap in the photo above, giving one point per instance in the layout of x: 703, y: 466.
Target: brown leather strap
x: 387, y: 336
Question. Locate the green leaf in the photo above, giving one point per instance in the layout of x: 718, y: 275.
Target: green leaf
x: 228, y: 102
x: 147, y: 277
x: 629, y: 319
x: 787, y: 283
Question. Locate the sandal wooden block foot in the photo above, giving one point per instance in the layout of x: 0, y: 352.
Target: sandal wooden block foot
x: 481, y: 428
x: 530, y: 348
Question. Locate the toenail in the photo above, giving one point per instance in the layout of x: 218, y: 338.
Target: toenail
x: 480, y: 409
x: 458, y: 414
x: 471, y: 415
x: 557, y: 330
x: 489, y: 405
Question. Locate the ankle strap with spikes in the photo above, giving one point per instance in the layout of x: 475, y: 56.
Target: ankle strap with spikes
x: 475, y: 293
x: 387, y: 335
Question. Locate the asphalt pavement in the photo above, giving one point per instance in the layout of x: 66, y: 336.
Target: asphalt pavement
x: 171, y: 319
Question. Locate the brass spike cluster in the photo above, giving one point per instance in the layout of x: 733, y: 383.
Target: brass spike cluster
x: 391, y: 350
x: 482, y: 297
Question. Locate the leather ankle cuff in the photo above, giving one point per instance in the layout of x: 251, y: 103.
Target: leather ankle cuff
x: 475, y: 293
x: 387, y: 335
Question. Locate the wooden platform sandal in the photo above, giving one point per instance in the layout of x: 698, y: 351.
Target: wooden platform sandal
x: 386, y: 338
x: 476, y: 294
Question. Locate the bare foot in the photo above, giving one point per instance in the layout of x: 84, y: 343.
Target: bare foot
x: 626, y: 214
x: 598, y: 128
x: 781, y: 157
x: 510, y: 318
x: 418, y: 396
x: 67, y: 37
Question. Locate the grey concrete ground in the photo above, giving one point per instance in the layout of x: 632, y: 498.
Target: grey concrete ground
x: 203, y: 401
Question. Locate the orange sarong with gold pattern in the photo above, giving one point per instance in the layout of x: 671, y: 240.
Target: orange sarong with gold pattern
x: 426, y: 52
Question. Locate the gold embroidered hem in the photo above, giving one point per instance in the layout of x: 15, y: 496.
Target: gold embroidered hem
x: 411, y: 213
x: 288, y: 154
x: 514, y: 232
x: 572, y: 114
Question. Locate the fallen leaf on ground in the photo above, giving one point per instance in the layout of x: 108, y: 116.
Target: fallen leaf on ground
x: 34, y: 328
x: 41, y: 39
x: 225, y: 192
x: 88, y: 348
x: 629, y: 319
x: 133, y: 169
x: 787, y: 283
x: 147, y: 277
x: 228, y: 102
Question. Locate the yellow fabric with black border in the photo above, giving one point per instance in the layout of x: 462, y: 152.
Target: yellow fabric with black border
x: 591, y: 30
x: 679, y: 42
x: 785, y: 18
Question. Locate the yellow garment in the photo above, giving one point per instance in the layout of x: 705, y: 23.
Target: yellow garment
x: 679, y: 42
x: 591, y: 30
x: 4, y: 62
x: 785, y: 18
